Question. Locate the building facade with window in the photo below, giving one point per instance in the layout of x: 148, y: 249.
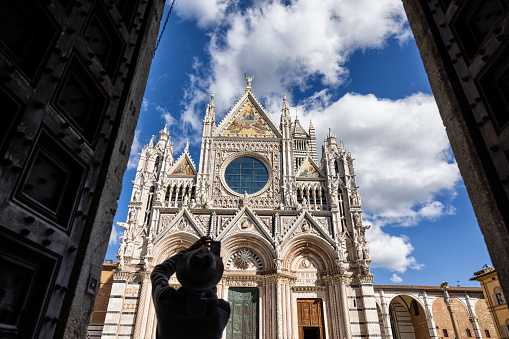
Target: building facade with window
x: 293, y: 239
x: 297, y: 263
x: 495, y: 299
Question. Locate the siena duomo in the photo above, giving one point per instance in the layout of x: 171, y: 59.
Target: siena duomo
x: 297, y: 263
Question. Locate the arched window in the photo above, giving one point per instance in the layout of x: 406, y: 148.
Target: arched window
x: 498, y: 296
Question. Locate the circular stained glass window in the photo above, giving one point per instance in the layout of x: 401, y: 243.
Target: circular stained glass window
x: 246, y: 174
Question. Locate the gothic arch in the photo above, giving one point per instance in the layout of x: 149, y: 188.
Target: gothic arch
x: 258, y: 246
x: 312, y: 246
x: 408, y: 317
x: 172, y: 244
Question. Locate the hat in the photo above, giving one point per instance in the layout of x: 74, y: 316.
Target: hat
x: 199, y: 269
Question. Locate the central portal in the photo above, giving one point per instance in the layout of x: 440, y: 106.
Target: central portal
x: 243, y: 323
x: 310, y: 317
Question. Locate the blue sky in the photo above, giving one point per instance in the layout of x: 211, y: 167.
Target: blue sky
x: 352, y: 66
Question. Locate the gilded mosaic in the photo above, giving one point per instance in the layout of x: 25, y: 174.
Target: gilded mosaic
x: 250, y: 123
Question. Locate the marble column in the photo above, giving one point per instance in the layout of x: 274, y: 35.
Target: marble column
x: 343, y: 281
x: 386, y: 318
x: 473, y: 317
x: 279, y: 309
x: 429, y: 316
x: 143, y: 305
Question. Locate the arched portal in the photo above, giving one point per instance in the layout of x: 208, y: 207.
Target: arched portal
x: 408, y: 319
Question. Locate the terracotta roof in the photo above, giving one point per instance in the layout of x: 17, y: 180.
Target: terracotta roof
x: 427, y: 288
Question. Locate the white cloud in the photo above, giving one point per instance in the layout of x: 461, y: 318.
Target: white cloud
x: 114, y: 237
x: 166, y: 115
x: 134, y: 156
x: 291, y: 45
x: 144, y: 105
x: 205, y: 12
x: 396, y: 278
x: 404, y: 166
x: 391, y: 252
x: 402, y: 155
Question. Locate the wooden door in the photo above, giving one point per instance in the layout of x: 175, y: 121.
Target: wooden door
x: 310, y: 319
x: 73, y: 75
x: 243, y: 323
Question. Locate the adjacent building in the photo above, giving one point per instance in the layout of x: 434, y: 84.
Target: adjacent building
x: 494, y: 298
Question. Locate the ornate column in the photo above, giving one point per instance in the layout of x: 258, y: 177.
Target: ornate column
x: 151, y: 314
x: 142, y: 311
x: 279, y: 308
x: 333, y: 302
x: 444, y: 286
x: 343, y: 281
x: 369, y: 306
x: 429, y: 316
x: 473, y: 318
x: 289, y: 311
x: 386, y: 318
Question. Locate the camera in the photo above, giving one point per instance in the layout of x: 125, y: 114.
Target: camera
x: 215, y: 247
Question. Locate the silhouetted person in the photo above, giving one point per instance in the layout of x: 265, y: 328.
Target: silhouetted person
x: 193, y: 311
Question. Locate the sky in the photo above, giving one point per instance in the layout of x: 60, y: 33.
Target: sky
x: 352, y: 66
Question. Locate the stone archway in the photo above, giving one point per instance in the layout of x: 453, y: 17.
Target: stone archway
x: 408, y: 318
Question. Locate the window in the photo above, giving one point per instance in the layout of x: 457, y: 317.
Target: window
x: 498, y: 297
x: 469, y: 334
x: 487, y: 333
x: 246, y: 175
x: 445, y: 332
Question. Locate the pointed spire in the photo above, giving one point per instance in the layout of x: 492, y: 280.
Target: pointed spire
x: 311, y: 130
x: 187, y: 147
x: 285, y: 111
x: 341, y: 144
x: 151, y: 143
x: 210, y: 114
x: 163, y: 134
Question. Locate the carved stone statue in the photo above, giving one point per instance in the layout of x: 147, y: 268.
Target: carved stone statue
x: 305, y: 226
x: 150, y: 249
x: 359, y: 251
x: 121, y: 248
x: 248, y: 79
x: 193, y: 203
x: 136, y: 195
x: 366, y: 253
x: 245, y: 224
x: 358, y: 219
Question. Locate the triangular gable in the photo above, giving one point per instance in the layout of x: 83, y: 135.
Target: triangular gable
x: 309, y: 170
x: 256, y: 225
x: 247, y: 119
x: 311, y: 227
x: 184, y: 166
x: 184, y: 221
x: 298, y: 130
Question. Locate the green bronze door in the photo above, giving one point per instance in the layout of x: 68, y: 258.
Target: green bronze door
x: 243, y: 323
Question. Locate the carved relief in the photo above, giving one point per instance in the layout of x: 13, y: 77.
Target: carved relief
x: 286, y: 223
x: 166, y: 220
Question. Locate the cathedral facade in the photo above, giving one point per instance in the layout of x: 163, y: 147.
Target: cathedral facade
x: 293, y: 241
